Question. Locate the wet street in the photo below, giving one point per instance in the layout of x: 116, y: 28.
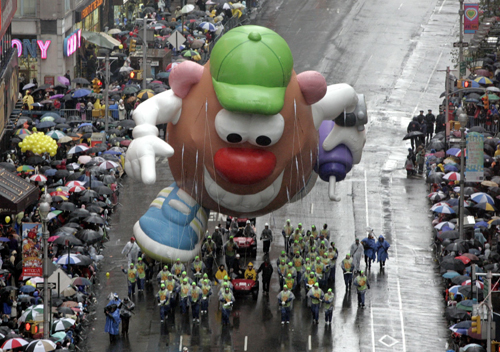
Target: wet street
x: 395, y: 53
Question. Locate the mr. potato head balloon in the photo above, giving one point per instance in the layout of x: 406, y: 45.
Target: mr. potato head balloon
x: 242, y: 139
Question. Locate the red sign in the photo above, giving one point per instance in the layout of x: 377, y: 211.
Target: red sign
x: 48, y: 80
x: 471, y: 18
x: 32, y: 249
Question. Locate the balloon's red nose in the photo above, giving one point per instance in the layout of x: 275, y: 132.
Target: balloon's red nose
x: 244, y: 166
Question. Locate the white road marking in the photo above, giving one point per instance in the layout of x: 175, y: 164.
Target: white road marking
x: 180, y: 344
x: 401, y: 317
x: 157, y: 158
x: 400, y: 6
x: 373, y: 331
x: 298, y: 31
x: 441, y: 7
x: 366, y: 200
x: 246, y: 343
x: 309, y: 344
x: 391, y: 340
x: 312, y: 208
x: 428, y: 82
x: 341, y: 32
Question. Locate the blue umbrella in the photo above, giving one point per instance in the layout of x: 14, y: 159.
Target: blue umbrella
x: 4, y: 239
x: 85, y: 124
x: 450, y: 168
x: 46, y: 124
x: 27, y: 289
x: 453, y: 151
x: 450, y: 274
x: 481, y: 224
x: 482, y: 197
x: 50, y: 172
x: 113, y: 152
x: 80, y: 93
x: 474, y: 251
x: 471, y: 100
x: 463, y: 324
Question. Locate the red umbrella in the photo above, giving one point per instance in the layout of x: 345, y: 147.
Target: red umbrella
x: 464, y: 260
x: 17, y: 342
x: 479, y: 284
x: 75, y: 183
x: 125, y: 143
x: 76, y: 189
x: 39, y: 178
x: 471, y: 256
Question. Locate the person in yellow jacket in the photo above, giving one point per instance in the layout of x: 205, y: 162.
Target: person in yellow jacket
x: 220, y: 274
x: 28, y: 101
x: 250, y: 273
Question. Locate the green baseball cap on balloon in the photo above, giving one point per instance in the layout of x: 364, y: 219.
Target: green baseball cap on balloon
x: 251, y: 67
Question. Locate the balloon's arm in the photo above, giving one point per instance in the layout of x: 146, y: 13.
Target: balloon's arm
x: 141, y: 154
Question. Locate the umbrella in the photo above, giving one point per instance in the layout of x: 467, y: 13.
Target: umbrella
x: 40, y: 346
x: 25, y: 168
x: 452, y: 235
x: 130, y: 90
x: 435, y: 177
x: 80, y: 80
x: 81, y: 281
x: 59, y: 336
x: 80, y: 93
x: 28, y: 86
x: 62, y: 324
x: 38, y: 178
x: 413, y: 134
x: 450, y: 274
x: 64, y: 310
x: 485, y: 206
x: 187, y: 8
x: 481, y: 197
x: 207, y: 26
x: 163, y: 75
x: 69, y: 291
x: 465, y: 305
x: 70, y: 304
x: 78, y: 149
x: 463, y: 259
x: 481, y: 224
x: 456, y: 247
x: 444, y: 209
x: 45, y: 124
x: 63, y: 80
x: 459, y: 279
x: 101, y: 39
x: 483, y: 80
x: 453, y: 313
x: 108, y: 165
x: 89, y: 236
x: 473, y: 347
x: 71, y: 259
x: 454, y: 264
x: 145, y: 94
x: 33, y: 313
x: 77, y: 189
x: 489, y: 184
x: 27, y: 289
x: 56, y: 134
x: 66, y: 206
x: 68, y: 240
x: 94, y: 219
x: 17, y: 342
x: 452, y: 176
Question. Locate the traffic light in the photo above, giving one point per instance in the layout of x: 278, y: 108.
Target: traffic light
x: 131, y: 47
x: 99, y: 86
x: 132, y: 74
x: 96, y: 85
x: 476, y: 324
x: 463, y: 83
x: 32, y: 328
x: 27, y: 327
x: 459, y: 83
x: 466, y: 84
x: 486, y: 102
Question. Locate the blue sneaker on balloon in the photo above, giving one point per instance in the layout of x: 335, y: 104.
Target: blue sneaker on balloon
x: 173, y: 227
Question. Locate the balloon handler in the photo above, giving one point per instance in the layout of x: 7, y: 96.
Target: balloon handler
x: 249, y: 135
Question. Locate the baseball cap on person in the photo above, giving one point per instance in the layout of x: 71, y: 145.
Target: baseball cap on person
x: 260, y: 87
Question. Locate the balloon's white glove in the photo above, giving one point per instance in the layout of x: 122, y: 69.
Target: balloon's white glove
x: 142, y: 152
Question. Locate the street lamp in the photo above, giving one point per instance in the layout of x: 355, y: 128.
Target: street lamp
x: 44, y: 210
x: 463, y: 119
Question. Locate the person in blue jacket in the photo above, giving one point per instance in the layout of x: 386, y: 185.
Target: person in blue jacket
x: 382, y: 248
x: 370, y: 248
x: 113, y: 320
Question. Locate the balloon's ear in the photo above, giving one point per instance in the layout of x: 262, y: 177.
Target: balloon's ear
x: 184, y: 76
x: 312, y: 85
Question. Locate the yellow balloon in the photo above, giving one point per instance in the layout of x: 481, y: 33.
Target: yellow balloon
x: 7, y: 219
x: 120, y: 46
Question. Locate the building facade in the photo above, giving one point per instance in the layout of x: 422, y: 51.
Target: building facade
x: 8, y: 68
x: 47, y: 34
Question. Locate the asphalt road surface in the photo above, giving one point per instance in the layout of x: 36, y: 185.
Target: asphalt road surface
x: 393, y: 51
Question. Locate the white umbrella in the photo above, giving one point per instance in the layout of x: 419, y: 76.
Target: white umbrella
x: 108, y: 165
x: 28, y: 86
x: 187, y: 8
x: 41, y: 346
x: 226, y: 6
x: 493, y: 89
x: 238, y: 6
x: 126, y: 69
x: 114, y: 31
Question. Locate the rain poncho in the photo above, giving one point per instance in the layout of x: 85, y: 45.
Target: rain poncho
x: 382, y: 248
x: 356, y: 255
x: 370, y: 247
x: 131, y: 250
x: 479, y: 236
x: 113, y: 323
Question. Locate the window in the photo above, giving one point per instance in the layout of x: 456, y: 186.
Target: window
x: 67, y: 5
x: 26, y: 8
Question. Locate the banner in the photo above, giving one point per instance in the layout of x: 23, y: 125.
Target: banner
x: 471, y: 18
x: 474, y: 166
x: 32, y: 250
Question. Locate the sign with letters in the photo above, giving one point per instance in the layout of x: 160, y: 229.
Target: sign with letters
x: 474, y: 166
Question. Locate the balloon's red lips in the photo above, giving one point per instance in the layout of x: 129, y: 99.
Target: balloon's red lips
x: 244, y: 166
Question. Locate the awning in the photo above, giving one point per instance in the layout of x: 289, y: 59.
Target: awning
x: 15, y: 193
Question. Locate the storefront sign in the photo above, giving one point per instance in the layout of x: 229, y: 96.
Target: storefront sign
x: 471, y: 18
x: 89, y: 9
x: 32, y: 250
x: 72, y: 42
x: 474, y: 166
x: 28, y: 47
x: 48, y: 80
